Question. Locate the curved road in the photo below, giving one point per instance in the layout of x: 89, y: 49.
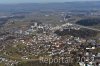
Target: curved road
x: 66, y: 24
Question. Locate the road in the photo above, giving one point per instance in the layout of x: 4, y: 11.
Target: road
x: 88, y: 28
x: 66, y: 24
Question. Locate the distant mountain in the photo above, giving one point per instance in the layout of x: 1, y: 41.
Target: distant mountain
x: 93, y: 5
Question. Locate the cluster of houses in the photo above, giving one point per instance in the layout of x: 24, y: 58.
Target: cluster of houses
x: 40, y: 40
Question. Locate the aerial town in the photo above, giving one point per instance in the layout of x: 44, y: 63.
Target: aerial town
x: 50, y: 39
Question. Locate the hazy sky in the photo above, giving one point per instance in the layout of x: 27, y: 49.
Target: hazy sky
x: 39, y: 1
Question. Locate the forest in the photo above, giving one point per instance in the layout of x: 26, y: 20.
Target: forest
x: 89, y: 22
x: 84, y: 33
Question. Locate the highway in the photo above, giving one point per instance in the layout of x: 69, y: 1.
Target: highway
x: 66, y: 24
x: 88, y: 28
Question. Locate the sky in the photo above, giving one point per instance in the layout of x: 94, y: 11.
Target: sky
x: 38, y: 1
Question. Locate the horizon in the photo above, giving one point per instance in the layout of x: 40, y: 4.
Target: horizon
x: 42, y: 1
